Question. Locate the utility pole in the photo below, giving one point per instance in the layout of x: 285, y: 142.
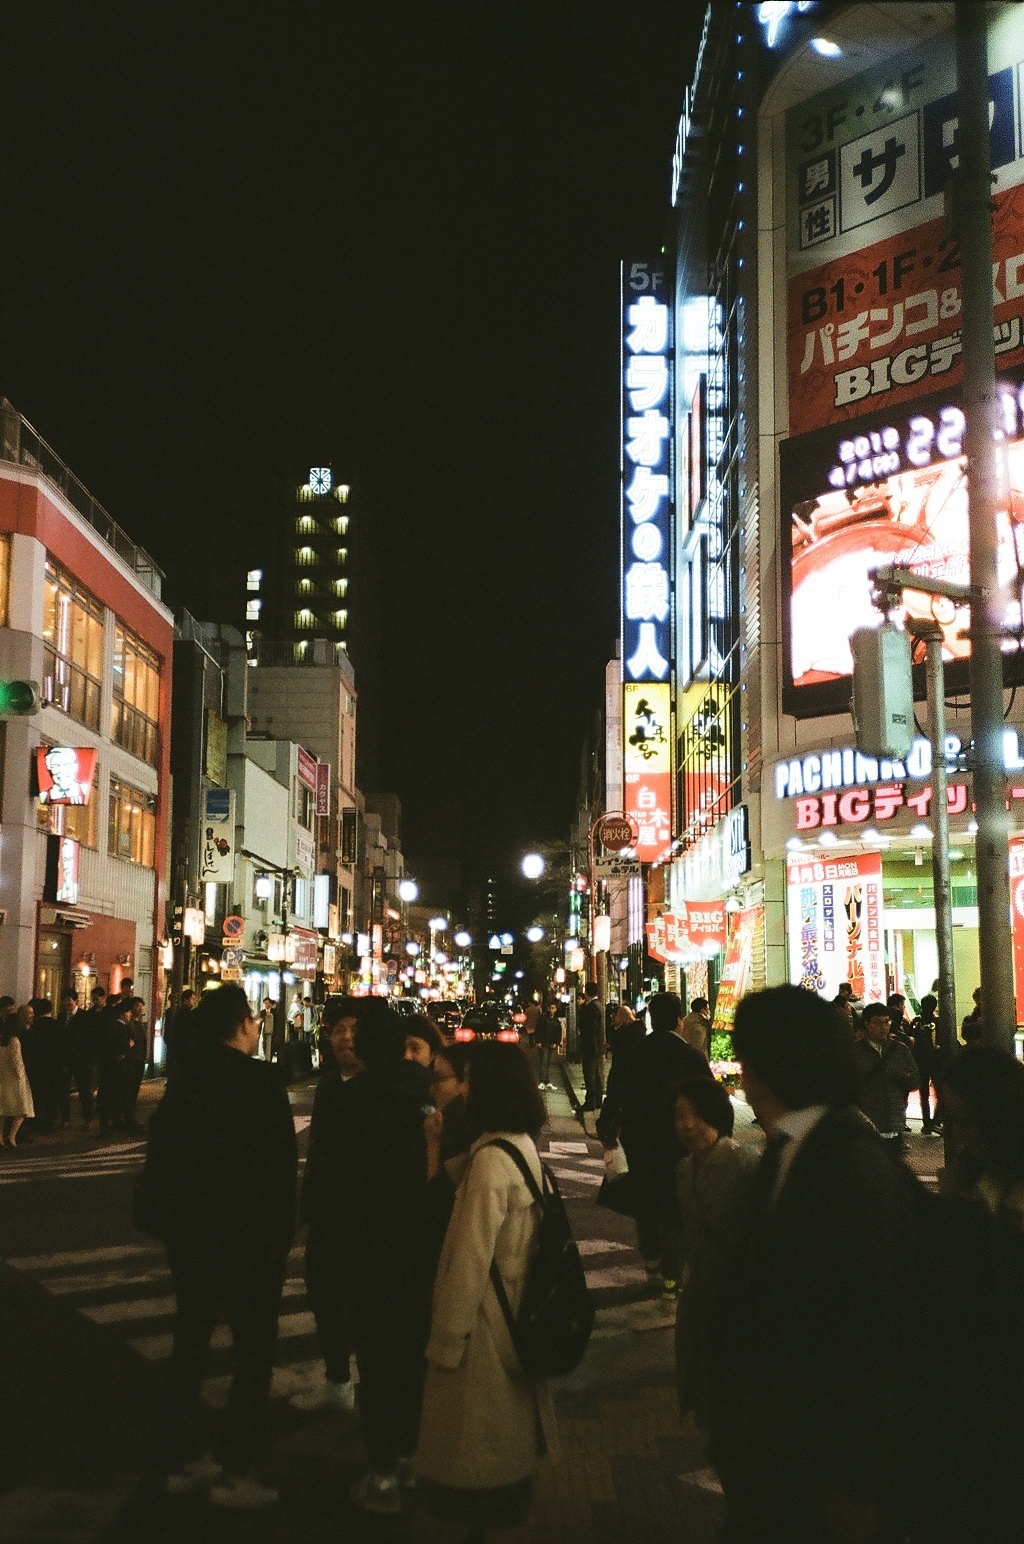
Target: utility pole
x: 973, y: 205
x: 930, y: 633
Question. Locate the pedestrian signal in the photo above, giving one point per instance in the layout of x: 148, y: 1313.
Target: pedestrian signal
x: 18, y: 698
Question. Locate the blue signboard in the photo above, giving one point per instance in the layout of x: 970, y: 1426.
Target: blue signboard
x: 646, y: 465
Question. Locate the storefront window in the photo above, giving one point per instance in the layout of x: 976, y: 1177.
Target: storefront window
x: 132, y: 834
x: 73, y: 652
x: 135, y: 712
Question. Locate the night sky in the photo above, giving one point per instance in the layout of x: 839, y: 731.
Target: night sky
x: 239, y: 242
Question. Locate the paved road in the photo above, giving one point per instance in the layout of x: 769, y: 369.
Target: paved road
x: 85, y: 1333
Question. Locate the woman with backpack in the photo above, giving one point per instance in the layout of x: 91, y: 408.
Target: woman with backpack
x: 485, y: 1423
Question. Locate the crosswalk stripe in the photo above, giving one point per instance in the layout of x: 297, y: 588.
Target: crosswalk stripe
x: 47, y: 1262
x: 582, y: 1176
x: 594, y: 1246
x: 555, y: 1148
x: 294, y: 1378
x: 157, y: 1348
x: 616, y: 1276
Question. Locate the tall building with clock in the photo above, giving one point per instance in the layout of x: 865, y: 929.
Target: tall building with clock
x: 301, y: 597
x: 312, y: 601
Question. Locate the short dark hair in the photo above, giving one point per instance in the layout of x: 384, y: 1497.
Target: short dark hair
x: 380, y: 1035
x: 593, y: 990
x: 710, y: 1099
x: 929, y: 1002
x: 219, y: 1015
x: 127, y: 981
x: 70, y: 995
x: 666, y: 1010
x: 698, y: 1002
x: 423, y: 1029
x: 41, y: 1006
x: 137, y: 1002
x: 337, y: 1008
x: 457, y: 1057
x: 894, y: 998
x: 990, y: 1082
x: 98, y: 991
x: 502, y: 1094
x: 6, y: 1003
x: 874, y: 1011
x: 796, y: 1044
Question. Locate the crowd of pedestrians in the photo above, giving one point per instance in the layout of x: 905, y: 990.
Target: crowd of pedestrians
x: 807, y: 1269
x: 100, y: 1052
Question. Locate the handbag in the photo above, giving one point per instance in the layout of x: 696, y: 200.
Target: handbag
x: 619, y: 1194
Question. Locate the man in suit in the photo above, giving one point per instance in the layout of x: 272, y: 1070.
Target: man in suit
x: 816, y: 1317
x: 638, y: 1113
x: 590, y: 1024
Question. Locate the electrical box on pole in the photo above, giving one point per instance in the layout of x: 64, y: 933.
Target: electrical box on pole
x: 883, y: 691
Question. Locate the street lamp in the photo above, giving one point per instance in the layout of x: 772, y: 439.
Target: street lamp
x: 533, y: 865
x: 463, y: 939
x: 408, y: 890
x: 534, y: 934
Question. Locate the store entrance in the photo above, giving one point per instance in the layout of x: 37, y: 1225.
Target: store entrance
x: 53, y: 966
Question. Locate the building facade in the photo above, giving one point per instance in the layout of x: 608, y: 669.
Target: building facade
x: 86, y: 780
x: 818, y: 435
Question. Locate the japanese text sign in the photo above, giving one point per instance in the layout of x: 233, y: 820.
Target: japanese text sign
x: 836, y: 928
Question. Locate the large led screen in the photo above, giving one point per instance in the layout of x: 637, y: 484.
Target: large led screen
x: 878, y: 491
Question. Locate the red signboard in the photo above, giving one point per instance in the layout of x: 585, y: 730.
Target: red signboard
x: 305, y: 943
x: 695, y: 931
x: 649, y: 806
x: 323, y: 788
x: 64, y: 775
x: 307, y: 769
x: 1017, y: 915
x: 882, y: 325
x: 616, y: 833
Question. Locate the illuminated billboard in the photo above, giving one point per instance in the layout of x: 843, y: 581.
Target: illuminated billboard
x: 874, y: 289
x: 64, y: 774
x: 836, y: 924
x: 647, y: 500
x: 884, y: 491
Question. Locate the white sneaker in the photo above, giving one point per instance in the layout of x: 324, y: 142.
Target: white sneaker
x: 377, y: 1493
x: 406, y: 1473
x: 193, y: 1476
x: 243, y: 1493
x: 328, y: 1396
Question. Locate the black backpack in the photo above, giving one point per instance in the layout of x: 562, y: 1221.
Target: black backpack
x: 552, y: 1329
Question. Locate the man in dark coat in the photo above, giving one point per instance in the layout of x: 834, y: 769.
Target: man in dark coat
x: 379, y: 1179
x: 817, y: 1312
x: 221, y: 1171
x: 114, y: 1042
x: 87, y: 1030
x: 590, y: 1024
x: 638, y: 1113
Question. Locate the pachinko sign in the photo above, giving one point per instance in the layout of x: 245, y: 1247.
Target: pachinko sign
x: 647, y: 493
x: 875, y: 291
x: 836, y: 928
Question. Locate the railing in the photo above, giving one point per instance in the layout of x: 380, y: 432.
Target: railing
x: 20, y: 444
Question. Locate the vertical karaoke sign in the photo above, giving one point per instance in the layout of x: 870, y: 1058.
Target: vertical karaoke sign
x: 647, y: 493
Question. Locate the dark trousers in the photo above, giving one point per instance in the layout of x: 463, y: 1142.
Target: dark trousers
x: 85, y: 1082
x: 593, y: 1080
x: 544, y: 1055
x: 390, y: 1338
x: 246, y: 1292
x: 134, y: 1070
x: 326, y: 1292
x: 110, y: 1095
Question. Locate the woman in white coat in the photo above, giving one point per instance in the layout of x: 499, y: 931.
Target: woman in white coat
x: 15, y: 1094
x: 484, y: 1424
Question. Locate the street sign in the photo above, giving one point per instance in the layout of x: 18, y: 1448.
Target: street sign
x: 616, y: 868
x: 616, y: 833
x: 231, y: 962
x: 233, y: 927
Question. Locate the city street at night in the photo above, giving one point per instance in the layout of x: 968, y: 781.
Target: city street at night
x: 512, y: 773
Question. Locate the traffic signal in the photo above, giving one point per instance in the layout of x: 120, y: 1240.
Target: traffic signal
x: 18, y: 698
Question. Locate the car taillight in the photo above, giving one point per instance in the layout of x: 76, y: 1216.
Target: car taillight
x: 463, y: 1034
x: 509, y: 1036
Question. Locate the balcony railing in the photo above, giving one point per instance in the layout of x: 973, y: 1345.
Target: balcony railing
x: 20, y: 444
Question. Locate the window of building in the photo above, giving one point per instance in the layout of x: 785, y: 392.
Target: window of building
x: 303, y: 620
x: 132, y: 833
x: 305, y: 806
x: 253, y: 578
x: 341, y: 555
x: 73, y: 652
x: 340, y: 618
x: 341, y: 525
x: 5, y: 577
x: 135, y: 713
x: 305, y: 557
x: 252, y: 610
x: 340, y: 586
x: 305, y: 525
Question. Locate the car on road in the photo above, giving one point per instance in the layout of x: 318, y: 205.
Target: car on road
x: 487, y: 1021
